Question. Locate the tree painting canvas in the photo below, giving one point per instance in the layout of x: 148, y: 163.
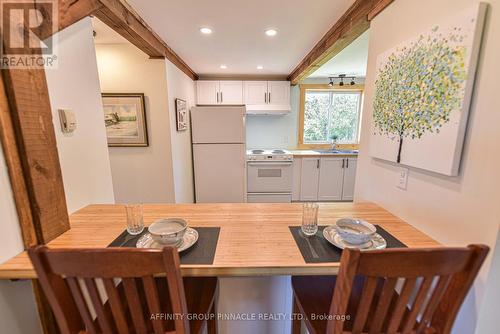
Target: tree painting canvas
x: 422, y: 94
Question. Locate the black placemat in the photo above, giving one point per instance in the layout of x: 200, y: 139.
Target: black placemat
x: 202, y: 252
x: 326, y: 251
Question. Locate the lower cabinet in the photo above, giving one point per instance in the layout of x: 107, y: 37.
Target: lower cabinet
x: 331, y: 176
x: 324, y: 179
x: 309, y: 178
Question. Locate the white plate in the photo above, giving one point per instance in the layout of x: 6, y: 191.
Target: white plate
x: 188, y: 240
x: 331, y: 235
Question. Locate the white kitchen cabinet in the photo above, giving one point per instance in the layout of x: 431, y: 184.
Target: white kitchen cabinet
x: 231, y: 92
x: 297, y: 168
x: 350, y: 165
x: 255, y: 92
x: 331, y: 176
x: 267, y: 97
x: 309, y: 179
x: 278, y: 92
x: 207, y: 92
x: 210, y: 92
x: 324, y: 179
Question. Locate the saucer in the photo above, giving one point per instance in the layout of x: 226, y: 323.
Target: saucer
x: 188, y: 240
x: 331, y: 235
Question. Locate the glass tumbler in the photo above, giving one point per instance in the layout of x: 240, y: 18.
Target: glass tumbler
x: 310, y: 219
x: 135, y: 220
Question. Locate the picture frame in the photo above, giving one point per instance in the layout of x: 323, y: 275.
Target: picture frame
x: 125, y: 119
x: 181, y: 114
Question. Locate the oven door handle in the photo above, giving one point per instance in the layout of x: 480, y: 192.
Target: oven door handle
x: 273, y: 164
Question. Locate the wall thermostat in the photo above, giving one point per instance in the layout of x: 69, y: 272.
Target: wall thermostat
x: 68, y: 120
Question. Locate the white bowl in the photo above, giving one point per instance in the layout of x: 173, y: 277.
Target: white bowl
x: 168, y: 231
x: 355, y: 231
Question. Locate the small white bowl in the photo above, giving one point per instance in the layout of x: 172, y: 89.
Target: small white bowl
x: 168, y: 231
x: 355, y: 231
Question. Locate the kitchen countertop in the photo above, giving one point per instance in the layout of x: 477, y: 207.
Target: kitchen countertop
x: 254, y: 239
x: 312, y: 153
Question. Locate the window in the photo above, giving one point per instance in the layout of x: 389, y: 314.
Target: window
x: 329, y: 113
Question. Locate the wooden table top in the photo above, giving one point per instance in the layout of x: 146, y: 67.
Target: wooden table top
x: 254, y: 239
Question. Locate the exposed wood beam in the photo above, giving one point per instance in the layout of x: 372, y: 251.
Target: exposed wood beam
x: 124, y: 20
x: 14, y: 167
x: 350, y: 26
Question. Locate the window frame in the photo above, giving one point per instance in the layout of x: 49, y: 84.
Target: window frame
x: 322, y: 87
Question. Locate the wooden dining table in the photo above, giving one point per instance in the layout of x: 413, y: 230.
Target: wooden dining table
x: 254, y: 239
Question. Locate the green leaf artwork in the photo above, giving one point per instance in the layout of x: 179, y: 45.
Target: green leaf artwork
x: 419, y: 86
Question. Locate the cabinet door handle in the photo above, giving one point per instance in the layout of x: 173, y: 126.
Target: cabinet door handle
x: 221, y: 99
x: 265, y: 97
x: 343, y: 161
x: 347, y: 163
x: 217, y: 94
x: 317, y: 163
x: 269, y: 99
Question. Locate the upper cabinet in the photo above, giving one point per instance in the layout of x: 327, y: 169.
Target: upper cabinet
x: 255, y: 92
x: 278, y: 93
x: 211, y: 92
x: 260, y: 97
x: 267, y: 97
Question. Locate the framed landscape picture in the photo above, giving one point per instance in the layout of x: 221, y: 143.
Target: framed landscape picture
x: 181, y: 114
x: 125, y: 119
x: 423, y: 91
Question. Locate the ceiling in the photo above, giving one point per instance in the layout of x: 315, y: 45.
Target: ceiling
x: 105, y: 35
x: 351, y: 61
x: 238, y: 39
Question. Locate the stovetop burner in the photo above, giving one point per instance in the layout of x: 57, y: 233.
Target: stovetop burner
x: 278, y: 152
x: 257, y: 151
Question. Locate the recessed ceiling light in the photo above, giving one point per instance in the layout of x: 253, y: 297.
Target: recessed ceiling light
x: 271, y: 32
x: 260, y: 67
x: 205, y: 30
x: 223, y: 66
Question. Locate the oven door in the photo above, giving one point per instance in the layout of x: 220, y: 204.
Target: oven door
x: 269, y: 176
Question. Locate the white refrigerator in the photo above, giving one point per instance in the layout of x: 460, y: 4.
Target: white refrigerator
x: 219, y: 154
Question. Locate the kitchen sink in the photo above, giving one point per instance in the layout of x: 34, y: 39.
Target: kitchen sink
x: 331, y: 151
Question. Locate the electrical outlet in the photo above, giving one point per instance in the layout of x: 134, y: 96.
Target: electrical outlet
x: 403, y: 178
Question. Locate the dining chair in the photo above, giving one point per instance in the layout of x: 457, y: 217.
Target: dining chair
x: 401, y: 290
x: 124, y: 290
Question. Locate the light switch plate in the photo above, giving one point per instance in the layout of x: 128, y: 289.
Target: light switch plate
x: 403, y: 178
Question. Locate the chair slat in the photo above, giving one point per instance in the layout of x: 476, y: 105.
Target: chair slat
x: 153, y: 301
x: 364, y: 305
x: 383, y: 305
x: 417, y: 304
x: 134, y: 303
x: 102, y: 316
x: 116, y: 306
x: 401, y: 305
x: 74, y: 287
x: 176, y: 291
x: 437, y: 293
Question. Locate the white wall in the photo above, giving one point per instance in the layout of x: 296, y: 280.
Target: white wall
x: 181, y: 86
x: 453, y: 210
x: 18, y: 312
x: 74, y: 84
x: 140, y: 174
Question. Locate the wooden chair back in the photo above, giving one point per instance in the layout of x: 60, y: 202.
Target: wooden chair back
x: 112, y: 290
x: 403, y: 290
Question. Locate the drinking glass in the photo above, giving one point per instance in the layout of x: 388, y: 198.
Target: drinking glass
x: 135, y: 220
x: 310, y: 219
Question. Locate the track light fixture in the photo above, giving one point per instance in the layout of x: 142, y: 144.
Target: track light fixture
x: 341, y: 78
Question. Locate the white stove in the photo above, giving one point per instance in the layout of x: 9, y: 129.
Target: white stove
x: 269, y: 155
x: 269, y: 176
